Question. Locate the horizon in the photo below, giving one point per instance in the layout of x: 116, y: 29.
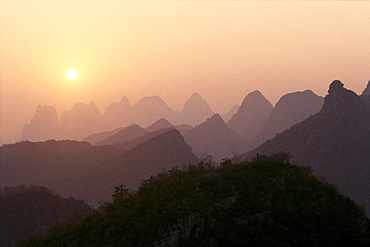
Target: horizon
x: 221, y: 50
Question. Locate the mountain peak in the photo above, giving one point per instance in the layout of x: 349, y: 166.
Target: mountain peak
x: 340, y: 97
x: 336, y: 86
x: 160, y: 124
x: 125, y: 101
x: 216, y: 118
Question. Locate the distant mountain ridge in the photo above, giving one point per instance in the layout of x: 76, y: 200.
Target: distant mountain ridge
x: 84, y: 120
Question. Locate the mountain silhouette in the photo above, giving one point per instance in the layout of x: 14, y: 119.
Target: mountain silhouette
x: 48, y: 163
x: 251, y: 115
x: 43, y: 125
x: 149, y: 109
x: 228, y: 115
x: 126, y: 134
x: 214, y: 138
x: 335, y: 143
x: 82, y: 120
x: 155, y: 155
x: 196, y: 110
x: 118, y: 114
x: 291, y: 108
x: 101, y: 136
x: 160, y: 124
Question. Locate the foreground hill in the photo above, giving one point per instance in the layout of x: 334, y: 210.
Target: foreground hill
x: 262, y: 203
x: 335, y: 143
x: 33, y: 210
x: 150, y: 157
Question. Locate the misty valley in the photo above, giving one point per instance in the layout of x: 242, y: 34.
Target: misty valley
x: 293, y: 174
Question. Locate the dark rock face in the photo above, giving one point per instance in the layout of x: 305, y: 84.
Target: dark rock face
x: 335, y: 143
x: 251, y: 115
x: 214, y: 138
x: 292, y: 108
x: 43, y: 125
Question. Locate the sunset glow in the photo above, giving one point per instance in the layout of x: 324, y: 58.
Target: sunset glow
x: 220, y: 49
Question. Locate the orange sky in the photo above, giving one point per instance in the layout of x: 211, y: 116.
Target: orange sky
x: 222, y: 50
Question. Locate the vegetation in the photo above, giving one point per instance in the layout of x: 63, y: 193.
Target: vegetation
x: 33, y: 210
x: 266, y: 202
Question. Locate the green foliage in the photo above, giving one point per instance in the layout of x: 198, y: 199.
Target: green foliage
x: 266, y: 202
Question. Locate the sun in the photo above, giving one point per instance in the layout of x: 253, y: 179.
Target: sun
x: 71, y: 74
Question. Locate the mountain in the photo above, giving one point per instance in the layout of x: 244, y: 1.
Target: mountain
x: 214, y: 138
x: 228, y: 115
x: 82, y: 120
x: 196, y: 110
x: 43, y: 125
x: 149, y: 109
x: 160, y: 124
x: 183, y: 128
x: 129, y: 133
x: 367, y: 89
x: 251, y: 115
x: 365, y: 96
x: 292, y: 108
x: 155, y: 155
x: 118, y: 114
x: 48, y: 163
x: 99, y: 137
x: 335, y: 143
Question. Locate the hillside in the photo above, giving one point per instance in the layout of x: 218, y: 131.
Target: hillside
x: 48, y: 163
x: 267, y: 202
x: 33, y: 210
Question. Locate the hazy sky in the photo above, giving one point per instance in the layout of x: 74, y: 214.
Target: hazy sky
x: 222, y: 50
